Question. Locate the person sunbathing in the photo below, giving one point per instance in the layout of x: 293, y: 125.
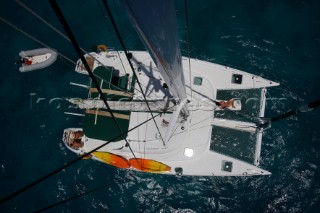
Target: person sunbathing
x: 76, y: 144
x: 76, y: 135
x: 225, y: 104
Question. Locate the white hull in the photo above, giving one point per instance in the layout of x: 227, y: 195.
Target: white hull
x: 193, y: 134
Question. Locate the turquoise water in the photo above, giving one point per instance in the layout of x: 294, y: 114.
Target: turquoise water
x: 279, y: 40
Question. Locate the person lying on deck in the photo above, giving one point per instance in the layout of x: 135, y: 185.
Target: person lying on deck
x: 225, y: 104
x: 76, y: 144
x: 76, y: 135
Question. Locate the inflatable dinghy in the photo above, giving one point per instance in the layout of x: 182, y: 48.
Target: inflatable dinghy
x: 36, y: 59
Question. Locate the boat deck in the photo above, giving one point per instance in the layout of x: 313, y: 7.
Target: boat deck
x: 190, y: 136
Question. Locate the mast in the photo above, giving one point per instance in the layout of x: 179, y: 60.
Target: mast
x: 155, y: 23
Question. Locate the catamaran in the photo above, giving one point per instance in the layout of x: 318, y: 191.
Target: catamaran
x: 178, y: 95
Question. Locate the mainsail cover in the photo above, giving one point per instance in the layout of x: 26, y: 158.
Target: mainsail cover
x: 155, y: 22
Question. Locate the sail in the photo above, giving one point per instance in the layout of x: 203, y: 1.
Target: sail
x: 155, y: 22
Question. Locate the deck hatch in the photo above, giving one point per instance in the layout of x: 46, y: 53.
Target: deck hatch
x: 197, y: 81
x: 236, y: 79
x: 226, y: 166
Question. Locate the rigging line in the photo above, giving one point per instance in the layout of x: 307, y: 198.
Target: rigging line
x: 146, y: 74
x: 117, y: 13
x: 36, y: 182
x: 33, y: 38
x: 247, y: 117
x: 145, y: 86
x: 71, y: 198
x: 76, y: 46
x: 54, y: 29
x: 40, y: 18
x: 139, y: 98
x: 97, y: 76
x: 112, y: 38
x: 119, y: 87
x: 188, y: 44
x: 126, y: 53
x: 190, y: 126
x: 121, y: 61
x: 45, y: 22
x: 67, y: 64
x: 174, y: 131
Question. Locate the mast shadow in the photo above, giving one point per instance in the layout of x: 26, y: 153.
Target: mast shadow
x: 154, y: 84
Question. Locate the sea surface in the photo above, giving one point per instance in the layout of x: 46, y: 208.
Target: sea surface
x: 275, y: 39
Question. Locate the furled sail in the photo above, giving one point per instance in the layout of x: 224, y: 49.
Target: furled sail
x: 155, y: 22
